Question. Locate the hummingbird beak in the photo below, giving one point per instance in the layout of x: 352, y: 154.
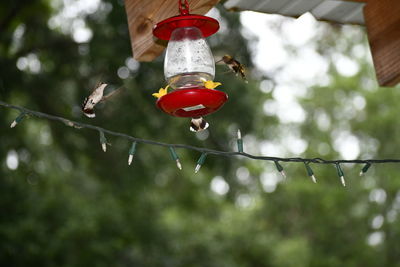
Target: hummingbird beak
x: 218, y: 61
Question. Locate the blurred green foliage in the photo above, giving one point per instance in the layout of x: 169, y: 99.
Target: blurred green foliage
x: 66, y: 203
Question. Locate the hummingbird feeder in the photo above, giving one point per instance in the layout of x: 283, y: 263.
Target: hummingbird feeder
x: 188, y: 64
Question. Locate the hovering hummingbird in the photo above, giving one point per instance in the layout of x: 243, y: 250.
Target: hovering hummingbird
x: 234, y: 66
x: 198, y: 124
x: 95, y: 97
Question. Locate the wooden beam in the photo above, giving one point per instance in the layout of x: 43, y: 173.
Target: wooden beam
x: 382, y: 18
x: 144, y: 14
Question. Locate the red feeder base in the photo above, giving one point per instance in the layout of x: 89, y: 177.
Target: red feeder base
x: 192, y: 102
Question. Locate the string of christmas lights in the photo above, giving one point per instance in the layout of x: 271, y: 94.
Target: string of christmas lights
x: 24, y: 112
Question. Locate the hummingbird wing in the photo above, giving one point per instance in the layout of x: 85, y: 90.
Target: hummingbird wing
x: 242, y: 72
x: 112, y: 93
x: 238, y: 68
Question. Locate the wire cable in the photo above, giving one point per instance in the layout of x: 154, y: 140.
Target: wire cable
x: 79, y: 125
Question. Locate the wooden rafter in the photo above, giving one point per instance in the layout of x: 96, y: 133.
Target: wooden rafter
x: 382, y: 19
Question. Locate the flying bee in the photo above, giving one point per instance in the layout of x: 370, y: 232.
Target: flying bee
x: 95, y: 97
x: 234, y: 66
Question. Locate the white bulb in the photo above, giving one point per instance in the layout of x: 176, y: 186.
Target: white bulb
x: 313, y: 179
x: 342, y: 180
x: 196, y: 170
x: 178, y: 164
x: 239, y: 134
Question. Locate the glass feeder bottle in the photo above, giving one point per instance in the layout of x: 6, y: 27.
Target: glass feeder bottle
x: 188, y: 60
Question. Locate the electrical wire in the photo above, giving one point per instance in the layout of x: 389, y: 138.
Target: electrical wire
x: 203, y: 150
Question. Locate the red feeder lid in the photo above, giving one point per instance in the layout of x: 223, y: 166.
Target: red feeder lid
x: 193, y: 102
x: 208, y: 26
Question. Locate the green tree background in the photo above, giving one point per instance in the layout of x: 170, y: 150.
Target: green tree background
x: 66, y: 203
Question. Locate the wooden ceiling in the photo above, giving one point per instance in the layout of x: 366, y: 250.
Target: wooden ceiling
x: 381, y: 18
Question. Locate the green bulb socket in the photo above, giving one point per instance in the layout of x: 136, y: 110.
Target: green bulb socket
x: 132, y: 150
x: 173, y: 153
x: 278, y: 166
x: 202, y: 159
x: 309, y: 170
x: 240, y: 145
x: 103, y: 139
